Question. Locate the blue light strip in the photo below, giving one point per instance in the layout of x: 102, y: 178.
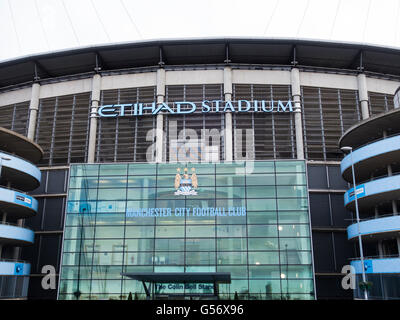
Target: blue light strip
x: 373, y: 226
x: 384, y: 265
x: 21, y: 165
x: 8, y: 268
x: 17, y: 233
x: 371, y: 150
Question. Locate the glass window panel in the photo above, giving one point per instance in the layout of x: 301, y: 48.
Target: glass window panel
x: 290, y: 179
x: 83, y: 182
x: 292, y: 204
x: 265, y: 286
x: 75, y: 272
x: 261, y: 257
x: 295, y: 243
x: 107, y: 272
x: 229, y: 180
x: 141, y: 193
x: 295, y: 257
x: 77, y: 259
x: 139, y: 258
x: 112, y: 182
x: 231, y: 244
x: 78, y: 232
x: 142, y: 182
x: 169, y: 269
x: 200, y: 258
x: 230, y: 192
x: 170, y: 244
x: 106, y: 286
x: 291, y: 191
x: 110, y: 206
x: 108, y: 258
x: 81, y: 206
x: 231, y: 257
x: 298, y: 286
x: 106, y: 245
x: 82, y: 194
x: 226, y: 203
x: 110, y: 218
x: 200, y: 231
x: 264, y: 272
x: 294, y: 230
x: 74, y: 219
x: 109, y: 232
x: 260, y: 167
x: 112, y: 194
x: 261, y: 204
x: 227, y: 167
x: 231, y: 220
x: 201, y: 268
x: 261, y: 217
x: 260, y: 192
x: 235, y: 271
x: 139, y: 244
x: 262, y: 231
x: 200, y: 244
x: 290, y: 166
x: 140, y: 169
x: 138, y: 232
x: 298, y: 272
x: 260, y: 179
x: 113, y: 169
x: 169, y: 258
x: 298, y: 216
x: 170, y: 231
x: 263, y: 244
x: 84, y: 170
x: 230, y: 231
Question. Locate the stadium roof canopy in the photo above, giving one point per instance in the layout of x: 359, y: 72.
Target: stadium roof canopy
x: 208, y: 51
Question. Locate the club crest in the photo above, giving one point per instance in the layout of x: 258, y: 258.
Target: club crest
x: 185, y: 185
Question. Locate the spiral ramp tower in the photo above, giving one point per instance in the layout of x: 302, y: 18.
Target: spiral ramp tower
x: 375, y: 156
x: 18, y: 175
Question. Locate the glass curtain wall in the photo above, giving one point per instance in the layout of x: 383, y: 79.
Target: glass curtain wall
x: 250, y: 219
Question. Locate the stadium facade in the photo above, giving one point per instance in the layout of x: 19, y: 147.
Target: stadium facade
x: 208, y: 168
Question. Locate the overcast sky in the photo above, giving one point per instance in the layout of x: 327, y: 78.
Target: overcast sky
x: 35, y: 26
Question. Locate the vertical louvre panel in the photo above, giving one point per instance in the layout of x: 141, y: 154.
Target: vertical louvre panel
x: 327, y: 114
x: 62, y: 128
x: 197, y: 121
x: 15, y: 117
x: 124, y: 138
x: 274, y: 133
x: 380, y: 102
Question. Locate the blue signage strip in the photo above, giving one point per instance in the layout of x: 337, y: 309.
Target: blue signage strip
x: 182, y: 212
x: 187, y: 107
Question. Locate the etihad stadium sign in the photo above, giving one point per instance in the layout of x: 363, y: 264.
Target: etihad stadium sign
x: 187, y: 107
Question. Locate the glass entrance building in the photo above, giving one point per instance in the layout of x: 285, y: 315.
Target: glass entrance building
x: 250, y: 220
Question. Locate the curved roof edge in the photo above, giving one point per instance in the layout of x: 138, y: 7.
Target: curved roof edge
x: 268, y: 51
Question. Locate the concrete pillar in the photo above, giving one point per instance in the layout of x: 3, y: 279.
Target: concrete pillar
x: 363, y: 95
x: 33, y: 110
x: 160, y: 91
x: 96, y: 89
x: 296, y: 96
x: 228, y: 115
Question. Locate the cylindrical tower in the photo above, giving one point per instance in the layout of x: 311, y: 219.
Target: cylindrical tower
x: 375, y: 145
x: 18, y: 175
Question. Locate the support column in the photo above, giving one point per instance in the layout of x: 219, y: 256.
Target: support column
x: 296, y: 95
x: 96, y: 88
x: 33, y: 110
x: 363, y: 95
x: 228, y: 115
x: 160, y: 117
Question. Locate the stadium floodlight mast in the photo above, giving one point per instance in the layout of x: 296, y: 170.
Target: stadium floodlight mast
x: 347, y: 150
